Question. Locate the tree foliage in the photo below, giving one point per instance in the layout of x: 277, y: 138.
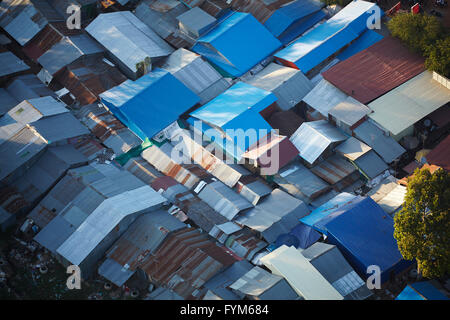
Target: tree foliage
x: 422, y: 227
x: 425, y: 35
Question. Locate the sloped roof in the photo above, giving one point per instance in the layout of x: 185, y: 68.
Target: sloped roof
x: 376, y: 70
x: 440, y: 155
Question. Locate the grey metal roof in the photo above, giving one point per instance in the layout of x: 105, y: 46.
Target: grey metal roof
x: 223, y: 199
x: 133, y: 41
x: 115, y: 272
x: 254, y: 191
x: 301, y: 182
x: 275, y: 215
x: 164, y: 294
x: 388, y: 194
x: 54, y: 234
x: 220, y: 282
x: 329, y: 261
x: 313, y: 138
x: 324, y: 96
x: 289, y: 85
x: 60, y: 127
x: 142, y: 169
x: 28, y: 86
x: 163, y: 22
x: 195, y: 22
x: 349, y: 111
x: 371, y: 164
x: 7, y: 101
x: 67, y: 50
x: 384, y: 145
x: 10, y: 64
x: 352, y: 148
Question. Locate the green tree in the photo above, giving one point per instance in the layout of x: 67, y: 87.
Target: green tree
x: 417, y: 31
x: 438, y: 57
x: 422, y: 227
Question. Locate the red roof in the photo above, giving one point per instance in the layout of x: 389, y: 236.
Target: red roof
x: 376, y: 70
x: 440, y: 155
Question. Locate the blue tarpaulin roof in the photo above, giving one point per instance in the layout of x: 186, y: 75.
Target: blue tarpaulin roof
x: 151, y: 103
x: 364, y: 234
x: 319, y: 44
x: 301, y: 26
x: 421, y: 291
x: 301, y: 236
x: 234, y: 110
x: 327, y: 208
x: 290, y: 13
x: 367, y: 39
x: 237, y: 44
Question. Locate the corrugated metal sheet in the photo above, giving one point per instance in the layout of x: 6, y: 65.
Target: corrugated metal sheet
x: 223, y: 199
x: 389, y: 194
x: 301, y: 183
x: 43, y: 41
x: 164, y: 294
x: 288, y: 85
x: 382, y: 144
x: 10, y: 64
x: 160, y: 16
x: 323, y: 41
x: 245, y: 244
x: 246, y: 44
x: 287, y: 122
x: 352, y: 148
x: 349, y: 111
x: 142, y: 169
x: 7, y: 101
x: 275, y: 215
x: 335, y: 269
x: 313, y: 138
x: 253, y: 189
x: 54, y: 234
x: 161, y: 159
x: 376, y: 70
x: 28, y: 86
x: 216, y: 8
x: 300, y: 274
x: 133, y: 41
x: 195, y: 22
x: 196, y: 74
x: 440, y: 155
x: 324, y: 96
x: 334, y: 169
x: 371, y: 164
x: 407, y: 104
x: 258, y: 282
x: 187, y: 144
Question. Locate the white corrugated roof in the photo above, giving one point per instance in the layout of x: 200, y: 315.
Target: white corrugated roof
x: 403, y: 106
x: 289, y: 263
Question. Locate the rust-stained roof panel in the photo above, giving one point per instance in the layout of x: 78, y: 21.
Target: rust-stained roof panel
x: 376, y: 70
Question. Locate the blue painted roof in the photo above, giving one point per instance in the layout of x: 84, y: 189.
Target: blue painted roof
x: 367, y: 39
x: 364, y: 234
x: 316, y: 46
x: 237, y: 44
x: 327, y: 208
x: 301, y: 26
x: 423, y: 290
x: 285, y: 16
x: 151, y: 103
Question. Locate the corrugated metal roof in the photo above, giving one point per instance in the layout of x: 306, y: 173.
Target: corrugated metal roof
x: 28, y: 86
x: 376, y: 70
x: 133, y: 40
x: 184, y: 141
x: 257, y: 283
x: 349, y: 111
x: 10, y: 64
x: 313, y: 138
x: 219, y: 283
x: 324, y: 96
x: 371, y: 164
x: 382, y: 144
x: 287, y: 122
x: 368, y: 38
x: 195, y: 73
x: 246, y: 44
x: 288, y: 85
x: 275, y: 215
x: 18, y: 149
x: 405, y: 105
x: 144, y: 106
x: 54, y: 234
x: 104, y: 219
x: 389, y: 194
x: 195, y: 22
x: 335, y: 269
x: 301, y: 182
x: 352, y: 148
x: 320, y: 43
x: 160, y: 19
x: 7, y: 101
x: 300, y: 274
x: 223, y: 199
x: 115, y: 272
x: 142, y: 169
x: 334, y: 169
x: 253, y: 190
x: 440, y: 155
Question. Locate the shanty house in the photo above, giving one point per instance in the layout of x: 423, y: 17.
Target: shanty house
x: 146, y: 106
x: 134, y: 46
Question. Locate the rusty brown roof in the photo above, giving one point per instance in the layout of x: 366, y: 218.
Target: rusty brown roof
x: 440, y: 155
x: 376, y: 70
